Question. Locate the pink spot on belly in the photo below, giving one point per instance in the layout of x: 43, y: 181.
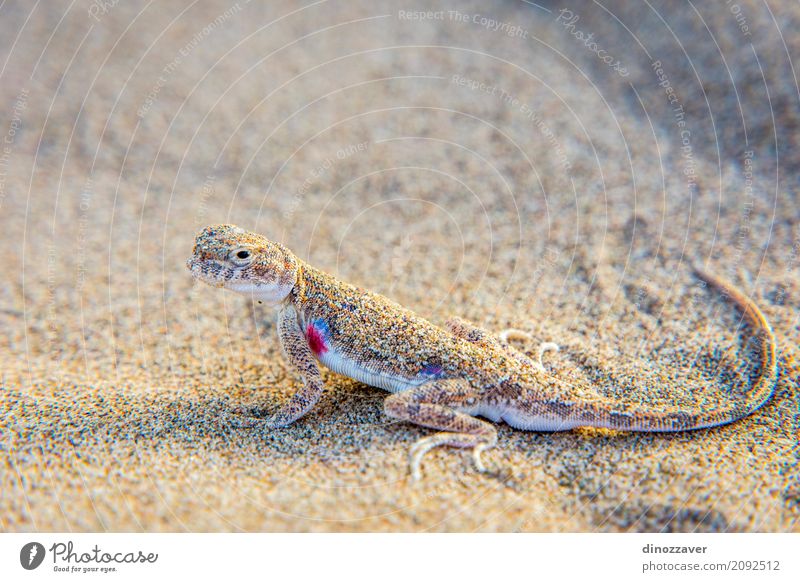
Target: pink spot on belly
x: 315, y: 340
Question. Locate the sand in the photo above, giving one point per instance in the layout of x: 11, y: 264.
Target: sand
x: 488, y: 164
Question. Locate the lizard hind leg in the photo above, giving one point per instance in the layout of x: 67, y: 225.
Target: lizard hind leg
x: 517, y: 334
x: 465, y: 330
x: 482, y: 337
x: 436, y: 405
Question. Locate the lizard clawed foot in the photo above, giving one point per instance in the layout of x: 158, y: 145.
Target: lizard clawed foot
x: 514, y: 334
x: 476, y: 456
x: 258, y: 417
x: 423, y: 445
x: 245, y: 417
x: 242, y: 421
x: 248, y: 417
x: 248, y: 422
x: 546, y: 347
x: 418, y: 451
x: 518, y: 334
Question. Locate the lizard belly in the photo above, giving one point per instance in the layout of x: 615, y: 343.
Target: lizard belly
x: 362, y: 373
x: 524, y: 421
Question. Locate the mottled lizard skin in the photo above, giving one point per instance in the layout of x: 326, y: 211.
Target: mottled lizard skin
x: 442, y: 378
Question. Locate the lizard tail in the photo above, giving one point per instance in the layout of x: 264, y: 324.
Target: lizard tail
x: 605, y: 415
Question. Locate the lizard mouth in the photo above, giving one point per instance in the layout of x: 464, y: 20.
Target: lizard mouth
x: 210, y: 272
x: 222, y: 276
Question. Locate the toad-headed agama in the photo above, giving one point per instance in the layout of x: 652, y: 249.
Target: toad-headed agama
x: 442, y: 378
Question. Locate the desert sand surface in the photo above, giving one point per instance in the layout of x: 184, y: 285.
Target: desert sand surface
x: 486, y: 160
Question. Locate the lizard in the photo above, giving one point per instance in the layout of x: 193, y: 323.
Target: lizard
x: 443, y: 378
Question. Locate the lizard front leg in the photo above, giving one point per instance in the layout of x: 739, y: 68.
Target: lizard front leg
x: 295, y: 348
x: 435, y: 405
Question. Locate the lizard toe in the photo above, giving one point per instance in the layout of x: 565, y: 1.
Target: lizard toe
x: 476, y: 456
x: 514, y: 334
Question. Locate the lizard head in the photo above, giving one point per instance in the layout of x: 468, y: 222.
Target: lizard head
x: 227, y: 256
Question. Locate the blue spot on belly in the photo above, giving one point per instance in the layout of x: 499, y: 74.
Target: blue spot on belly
x: 432, y: 371
x: 322, y: 326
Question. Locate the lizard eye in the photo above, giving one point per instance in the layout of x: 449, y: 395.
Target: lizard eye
x: 241, y: 256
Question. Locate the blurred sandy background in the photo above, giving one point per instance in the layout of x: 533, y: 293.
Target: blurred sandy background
x: 495, y: 163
